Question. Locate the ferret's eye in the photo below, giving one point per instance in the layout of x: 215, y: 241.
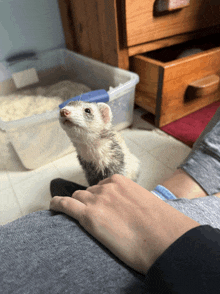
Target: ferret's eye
x: 87, y: 110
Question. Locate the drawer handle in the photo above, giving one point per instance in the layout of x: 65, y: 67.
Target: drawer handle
x: 205, y: 86
x: 170, y: 5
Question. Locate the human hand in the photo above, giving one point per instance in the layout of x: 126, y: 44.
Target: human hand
x: 130, y: 221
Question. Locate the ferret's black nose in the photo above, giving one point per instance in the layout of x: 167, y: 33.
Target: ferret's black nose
x: 64, y: 112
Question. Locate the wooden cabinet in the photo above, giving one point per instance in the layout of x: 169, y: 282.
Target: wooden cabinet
x: 123, y: 32
x: 148, y: 21
x: 174, y: 88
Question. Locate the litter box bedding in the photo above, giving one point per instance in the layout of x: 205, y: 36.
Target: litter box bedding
x: 38, y: 100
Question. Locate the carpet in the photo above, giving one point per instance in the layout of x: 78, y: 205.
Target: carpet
x: 189, y: 128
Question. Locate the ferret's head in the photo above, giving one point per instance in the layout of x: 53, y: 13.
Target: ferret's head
x: 79, y: 118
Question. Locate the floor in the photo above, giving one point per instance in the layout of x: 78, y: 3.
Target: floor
x: 23, y: 191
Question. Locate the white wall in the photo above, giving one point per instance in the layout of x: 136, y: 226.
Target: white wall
x: 29, y: 25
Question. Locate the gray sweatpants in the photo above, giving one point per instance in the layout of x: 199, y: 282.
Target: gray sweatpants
x: 46, y: 252
x: 203, y: 163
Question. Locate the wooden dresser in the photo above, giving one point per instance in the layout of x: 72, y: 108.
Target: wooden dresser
x: 149, y: 38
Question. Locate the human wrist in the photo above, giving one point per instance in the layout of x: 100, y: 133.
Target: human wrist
x: 166, y: 225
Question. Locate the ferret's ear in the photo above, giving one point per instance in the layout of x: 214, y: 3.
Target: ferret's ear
x: 105, y: 112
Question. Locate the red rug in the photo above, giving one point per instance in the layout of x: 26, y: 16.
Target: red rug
x: 188, y: 128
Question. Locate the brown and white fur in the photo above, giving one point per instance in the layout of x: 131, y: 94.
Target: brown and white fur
x: 101, y: 151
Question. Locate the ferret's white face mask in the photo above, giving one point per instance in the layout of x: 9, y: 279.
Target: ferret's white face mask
x: 82, y: 119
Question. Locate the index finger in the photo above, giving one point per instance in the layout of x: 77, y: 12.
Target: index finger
x: 111, y: 179
x: 68, y: 205
x: 105, y: 181
x: 116, y: 178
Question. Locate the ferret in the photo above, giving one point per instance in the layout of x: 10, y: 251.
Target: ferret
x: 101, y: 151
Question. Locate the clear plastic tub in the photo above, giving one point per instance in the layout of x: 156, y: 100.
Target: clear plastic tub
x: 39, y: 139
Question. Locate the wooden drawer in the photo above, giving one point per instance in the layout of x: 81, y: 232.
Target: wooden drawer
x: 172, y: 88
x: 144, y: 23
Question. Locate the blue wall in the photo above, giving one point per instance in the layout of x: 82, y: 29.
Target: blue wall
x: 29, y: 25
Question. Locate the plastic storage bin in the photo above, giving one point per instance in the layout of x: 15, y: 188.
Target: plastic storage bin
x: 39, y: 139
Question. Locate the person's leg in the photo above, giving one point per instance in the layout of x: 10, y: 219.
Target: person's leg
x: 199, y: 174
x: 46, y: 252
